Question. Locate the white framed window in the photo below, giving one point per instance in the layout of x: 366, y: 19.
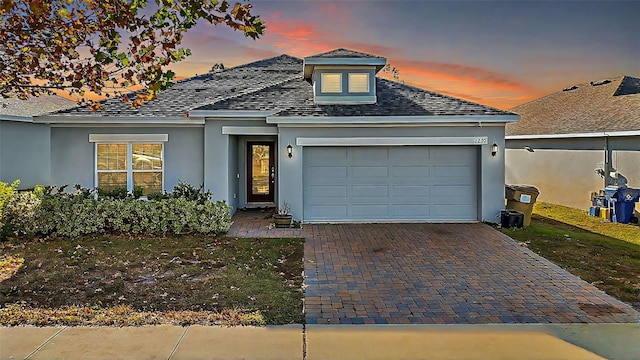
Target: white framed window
x: 358, y: 82
x: 130, y: 165
x: 330, y: 83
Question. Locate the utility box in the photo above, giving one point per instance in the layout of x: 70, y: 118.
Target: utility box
x: 521, y: 198
x: 511, y: 219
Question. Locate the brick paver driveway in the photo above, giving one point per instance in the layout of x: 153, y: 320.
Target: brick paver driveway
x: 434, y: 274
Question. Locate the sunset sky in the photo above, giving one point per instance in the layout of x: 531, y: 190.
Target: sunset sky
x: 499, y: 53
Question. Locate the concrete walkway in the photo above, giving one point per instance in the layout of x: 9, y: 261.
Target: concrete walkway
x: 532, y: 341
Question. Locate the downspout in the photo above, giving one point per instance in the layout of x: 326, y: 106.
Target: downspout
x: 608, y: 159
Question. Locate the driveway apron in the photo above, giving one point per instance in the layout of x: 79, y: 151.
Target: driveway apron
x: 434, y: 274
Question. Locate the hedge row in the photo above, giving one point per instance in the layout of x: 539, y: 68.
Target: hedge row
x: 38, y: 213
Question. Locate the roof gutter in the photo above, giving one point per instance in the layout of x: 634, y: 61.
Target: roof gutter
x: 16, y: 118
x: 576, y: 135
x: 373, y: 120
x: 118, y: 120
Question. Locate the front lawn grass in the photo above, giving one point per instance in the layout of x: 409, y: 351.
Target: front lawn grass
x: 133, y: 281
x: 581, y: 219
x: 611, y: 264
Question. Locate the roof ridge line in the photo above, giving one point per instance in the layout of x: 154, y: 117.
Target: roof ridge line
x: 236, y: 67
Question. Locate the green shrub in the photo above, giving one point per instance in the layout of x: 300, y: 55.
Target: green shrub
x: 115, y: 193
x: 190, y: 192
x: 7, y: 193
x: 53, y: 212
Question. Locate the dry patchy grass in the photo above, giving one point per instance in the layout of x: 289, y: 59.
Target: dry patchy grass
x: 9, y: 265
x: 196, y: 277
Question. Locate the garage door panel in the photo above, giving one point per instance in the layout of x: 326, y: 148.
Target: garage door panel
x: 453, y: 171
x: 395, y: 183
x: 370, y: 191
x: 413, y: 211
x: 328, y: 212
x: 410, y: 191
x: 448, y: 212
x: 456, y: 154
x: 367, y: 155
x: 416, y: 200
x: 400, y: 156
x: 320, y: 191
x: 370, y: 211
x: 327, y: 172
x: 450, y: 191
x: 330, y: 156
x: 369, y: 171
x: 418, y: 172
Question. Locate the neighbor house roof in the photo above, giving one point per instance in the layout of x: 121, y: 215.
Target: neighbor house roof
x: 34, y: 106
x: 605, y: 105
x: 277, y: 85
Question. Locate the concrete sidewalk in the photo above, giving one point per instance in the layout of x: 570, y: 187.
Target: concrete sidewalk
x: 499, y: 341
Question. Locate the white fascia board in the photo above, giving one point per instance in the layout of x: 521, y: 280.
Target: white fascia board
x: 340, y: 67
x: 576, y: 135
x: 249, y: 130
x: 308, y: 64
x: 231, y: 113
x: 345, y: 61
x: 392, y: 141
x: 124, y: 120
x: 373, y: 120
x: 16, y: 118
x: 102, y: 138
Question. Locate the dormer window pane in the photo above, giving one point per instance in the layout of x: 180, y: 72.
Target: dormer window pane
x: 358, y: 83
x: 331, y: 83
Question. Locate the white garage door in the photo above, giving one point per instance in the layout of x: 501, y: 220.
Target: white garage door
x: 377, y: 183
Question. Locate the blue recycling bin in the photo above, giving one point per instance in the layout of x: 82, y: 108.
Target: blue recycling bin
x: 626, y: 199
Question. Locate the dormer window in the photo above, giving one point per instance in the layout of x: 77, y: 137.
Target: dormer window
x: 331, y: 83
x: 344, y: 85
x: 343, y: 77
x: 358, y: 82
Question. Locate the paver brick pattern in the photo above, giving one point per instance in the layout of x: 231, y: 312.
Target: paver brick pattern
x: 433, y: 274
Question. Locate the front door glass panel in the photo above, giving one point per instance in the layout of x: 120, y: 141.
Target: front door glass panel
x: 261, y: 171
x: 260, y: 174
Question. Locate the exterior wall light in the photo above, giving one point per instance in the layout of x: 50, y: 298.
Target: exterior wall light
x: 494, y: 149
x: 290, y: 151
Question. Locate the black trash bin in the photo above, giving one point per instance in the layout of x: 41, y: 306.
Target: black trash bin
x: 511, y: 218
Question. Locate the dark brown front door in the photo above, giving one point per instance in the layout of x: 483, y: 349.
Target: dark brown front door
x: 261, y: 171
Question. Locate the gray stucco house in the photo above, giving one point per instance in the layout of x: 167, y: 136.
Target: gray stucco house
x: 573, y: 132
x: 323, y: 134
x: 24, y: 145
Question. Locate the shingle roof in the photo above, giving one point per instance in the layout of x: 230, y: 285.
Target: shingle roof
x: 200, y: 90
x: 590, y: 107
x: 295, y: 98
x: 344, y: 53
x: 276, y: 84
x: 34, y: 106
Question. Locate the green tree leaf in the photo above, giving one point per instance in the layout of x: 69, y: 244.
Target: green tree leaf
x: 123, y: 46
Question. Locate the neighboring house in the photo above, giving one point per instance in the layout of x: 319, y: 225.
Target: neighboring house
x: 25, y: 146
x: 572, y: 132
x: 323, y: 134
